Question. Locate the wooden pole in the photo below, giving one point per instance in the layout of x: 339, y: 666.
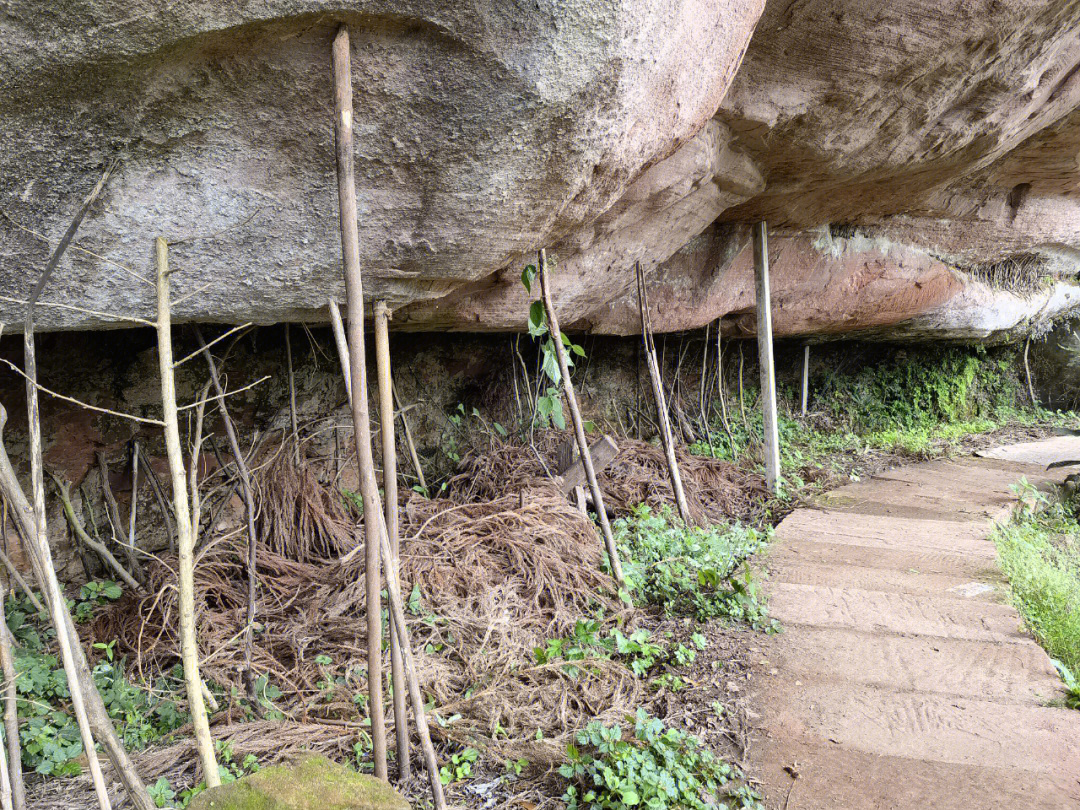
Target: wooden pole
x: 292, y: 396
x: 658, y: 395
x: 342, y: 346
x: 409, y: 443
x: 11, y: 716
x: 765, y: 355
x: 354, y: 294
x: 805, y: 377
x: 397, y: 611
x: 39, y: 533
x: 189, y: 651
x: 389, y: 465
x: 575, y: 417
x: 247, y: 491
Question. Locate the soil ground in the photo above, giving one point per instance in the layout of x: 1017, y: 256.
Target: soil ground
x: 903, y: 678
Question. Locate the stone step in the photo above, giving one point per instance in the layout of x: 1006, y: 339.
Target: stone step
x: 910, y: 580
x: 794, y: 553
x: 901, y: 614
x: 831, y: 778
x: 941, y: 499
x: 1005, y: 673
x: 918, y: 535
x: 927, y: 727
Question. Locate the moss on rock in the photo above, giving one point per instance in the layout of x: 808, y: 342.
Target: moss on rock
x: 314, y: 784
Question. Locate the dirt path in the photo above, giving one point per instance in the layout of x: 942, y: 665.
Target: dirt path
x: 903, y: 678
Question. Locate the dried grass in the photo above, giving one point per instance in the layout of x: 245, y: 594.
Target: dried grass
x: 502, y: 564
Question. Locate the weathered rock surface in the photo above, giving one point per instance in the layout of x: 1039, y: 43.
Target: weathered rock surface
x: 945, y: 133
x: 483, y: 131
x: 832, y: 286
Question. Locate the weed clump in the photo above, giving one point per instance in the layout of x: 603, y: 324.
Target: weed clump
x: 1039, y: 551
x: 660, y: 768
x: 690, y: 570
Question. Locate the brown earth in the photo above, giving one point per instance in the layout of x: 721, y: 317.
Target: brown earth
x: 903, y: 678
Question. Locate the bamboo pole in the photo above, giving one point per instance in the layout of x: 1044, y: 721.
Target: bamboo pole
x: 134, y: 510
x: 11, y: 716
x: 249, y: 509
x: 5, y: 782
x: 409, y: 443
x: 100, y: 548
x: 397, y: 611
x: 342, y: 346
x: 393, y: 590
x: 658, y: 394
x: 189, y: 652
x: 765, y: 355
x: 343, y: 356
x: 575, y: 417
x: 389, y: 465
x: 112, y: 513
x: 354, y: 294
x: 292, y: 397
x: 805, y: 377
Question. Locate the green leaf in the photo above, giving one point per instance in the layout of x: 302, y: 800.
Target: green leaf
x: 537, y: 319
x: 528, y: 275
x: 557, y: 415
x: 550, y: 365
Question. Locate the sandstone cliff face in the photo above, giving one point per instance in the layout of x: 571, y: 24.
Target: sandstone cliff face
x: 939, y: 140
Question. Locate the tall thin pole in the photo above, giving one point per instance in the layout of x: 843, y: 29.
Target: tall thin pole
x: 765, y: 355
x: 11, y: 715
x: 354, y: 294
x: 389, y: 465
x: 661, y: 401
x: 805, y: 376
x: 579, y: 425
x: 185, y: 536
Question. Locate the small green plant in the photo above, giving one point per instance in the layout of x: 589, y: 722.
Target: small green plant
x: 549, y: 410
x: 460, y: 766
x: 515, y: 767
x: 162, y: 793
x: 659, y: 768
x: 638, y: 650
x: 1072, y: 685
x: 688, y: 570
x: 51, y: 744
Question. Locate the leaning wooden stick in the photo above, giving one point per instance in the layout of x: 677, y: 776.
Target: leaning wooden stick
x: 409, y: 439
x: 11, y: 716
x: 661, y: 401
x: 397, y: 611
x: 343, y: 356
x: 39, y: 535
x: 389, y: 463
x: 575, y: 417
x: 189, y: 652
x: 354, y: 294
x: 22, y: 515
x: 249, y: 509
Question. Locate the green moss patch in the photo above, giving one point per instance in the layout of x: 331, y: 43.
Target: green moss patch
x: 314, y: 784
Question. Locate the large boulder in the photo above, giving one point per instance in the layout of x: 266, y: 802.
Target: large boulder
x: 314, y: 784
x: 484, y: 130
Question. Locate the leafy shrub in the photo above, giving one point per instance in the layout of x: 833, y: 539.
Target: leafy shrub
x: 660, y: 768
x: 51, y: 744
x: 689, y: 570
